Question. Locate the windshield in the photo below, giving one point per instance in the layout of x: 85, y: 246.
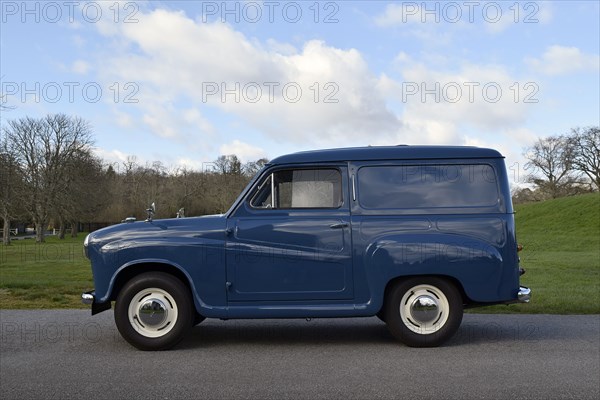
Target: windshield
x: 246, y: 189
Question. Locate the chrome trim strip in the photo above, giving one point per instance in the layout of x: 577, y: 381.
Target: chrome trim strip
x: 273, y: 190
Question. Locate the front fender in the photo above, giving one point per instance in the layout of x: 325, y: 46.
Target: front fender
x: 154, y: 264
x: 200, y: 260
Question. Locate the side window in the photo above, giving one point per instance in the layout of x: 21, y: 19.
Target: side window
x: 427, y: 186
x: 300, y: 188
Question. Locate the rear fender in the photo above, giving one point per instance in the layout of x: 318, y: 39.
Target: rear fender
x: 475, y: 264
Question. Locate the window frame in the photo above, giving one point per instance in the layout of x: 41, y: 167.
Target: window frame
x: 499, y: 208
x: 270, y: 176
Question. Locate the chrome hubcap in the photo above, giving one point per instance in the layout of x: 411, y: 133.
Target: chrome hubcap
x: 424, y: 309
x: 153, y: 312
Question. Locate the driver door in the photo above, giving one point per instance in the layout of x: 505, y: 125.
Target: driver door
x: 290, y: 239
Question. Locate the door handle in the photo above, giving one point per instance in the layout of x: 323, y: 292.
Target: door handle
x: 339, y: 226
x: 230, y: 230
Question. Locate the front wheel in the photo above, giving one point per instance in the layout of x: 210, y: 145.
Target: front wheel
x: 154, y: 311
x: 424, y: 312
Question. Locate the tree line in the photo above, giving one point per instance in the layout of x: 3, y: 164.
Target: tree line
x: 562, y: 165
x: 50, y: 177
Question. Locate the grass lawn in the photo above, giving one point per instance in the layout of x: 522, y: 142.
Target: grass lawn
x: 561, y: 240
x: 48, y: 275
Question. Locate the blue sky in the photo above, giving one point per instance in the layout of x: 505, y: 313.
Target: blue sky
x: 183, y: 82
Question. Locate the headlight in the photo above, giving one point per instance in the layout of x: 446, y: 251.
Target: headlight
x: 86, y: 241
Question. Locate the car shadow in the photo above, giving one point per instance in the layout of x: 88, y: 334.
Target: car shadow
x: 344, y: 331
x: 332, y: 331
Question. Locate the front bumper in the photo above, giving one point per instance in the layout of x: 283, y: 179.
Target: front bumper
x: 524, y: 294
x: 90, y: 298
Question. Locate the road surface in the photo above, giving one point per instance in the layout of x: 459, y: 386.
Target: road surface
x: 68, y: 354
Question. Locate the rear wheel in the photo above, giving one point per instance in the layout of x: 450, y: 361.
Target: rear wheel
x: 154, y: 311
x: 424, y: 312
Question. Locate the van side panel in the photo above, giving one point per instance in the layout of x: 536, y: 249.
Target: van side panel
x: 474, y: 261
x: 418, y: 231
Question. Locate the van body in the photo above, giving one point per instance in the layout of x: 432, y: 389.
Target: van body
x: 412, y: 234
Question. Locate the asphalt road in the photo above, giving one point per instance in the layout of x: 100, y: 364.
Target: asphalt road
x: 68, y: 354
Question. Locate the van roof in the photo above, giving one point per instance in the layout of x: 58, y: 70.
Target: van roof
x: 402, y: 152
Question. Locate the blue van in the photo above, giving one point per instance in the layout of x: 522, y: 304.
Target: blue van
x: 412, y: 234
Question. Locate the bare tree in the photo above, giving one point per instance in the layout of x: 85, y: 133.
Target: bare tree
x: 84, y: 194
x: 585, y: 148
x: 11, y: 180
x: 551, y: 162
x: 5, y: 196
x: 229, y: 165
x: 44, y: 149
x: 188, y: 189
x: 252, y: 167
x: 94, y: 192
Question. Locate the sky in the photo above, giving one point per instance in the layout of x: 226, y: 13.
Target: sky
x: 183, y: 82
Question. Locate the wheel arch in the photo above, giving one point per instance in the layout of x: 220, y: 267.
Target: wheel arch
x: 455, y: 282
x: 131, y: 270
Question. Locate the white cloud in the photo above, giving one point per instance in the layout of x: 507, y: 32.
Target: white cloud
x: 394, y: 14
x: 112, y: 157
x: 183, y: 125
x: 80, y: 67
x: 505, y: 20
x: 192, y: 164
x: 199, y: 79
x: 510, y: 143
x: 193, y: 117
x: 319, y: 94
x: 439, y: 104
x: 402, y: 58
x: 244, y: 151
x: 158, y: 123
x: 457, y: 106
x: 560, y: 60
x: 123, y: 120
x: 544, y: 15
x: 281, y: 48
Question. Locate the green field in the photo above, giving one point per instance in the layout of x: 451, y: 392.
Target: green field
x: 48, y: 275
x: 561, y: 254
x: 561, y: 240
